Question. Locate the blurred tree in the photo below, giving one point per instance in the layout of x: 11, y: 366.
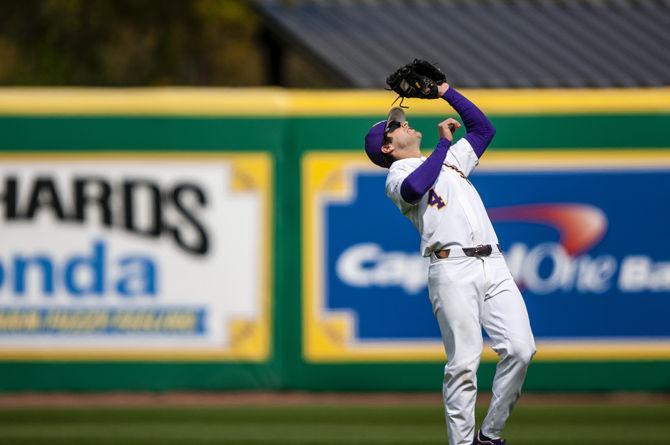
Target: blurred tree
x: 129, y: 43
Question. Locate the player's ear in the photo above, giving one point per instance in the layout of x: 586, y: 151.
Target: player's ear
x: 387, y: 148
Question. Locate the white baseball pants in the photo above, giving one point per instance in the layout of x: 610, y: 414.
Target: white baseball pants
x: 468, y: 294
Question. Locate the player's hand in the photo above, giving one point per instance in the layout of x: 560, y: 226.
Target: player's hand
x: 447, y: 128
x: 442, y: 88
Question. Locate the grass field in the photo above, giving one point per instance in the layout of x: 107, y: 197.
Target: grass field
x: 325, y: 425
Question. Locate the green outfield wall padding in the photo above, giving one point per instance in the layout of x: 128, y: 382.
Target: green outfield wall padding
x: 287, y: 138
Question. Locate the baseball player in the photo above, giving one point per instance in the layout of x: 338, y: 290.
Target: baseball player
x: 470, y: 286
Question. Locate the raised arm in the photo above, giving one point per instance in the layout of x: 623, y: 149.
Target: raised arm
x: 417, y: 183
x: 479, y: 130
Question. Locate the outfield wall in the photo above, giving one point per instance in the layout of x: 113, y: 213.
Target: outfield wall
x: 239, y: 239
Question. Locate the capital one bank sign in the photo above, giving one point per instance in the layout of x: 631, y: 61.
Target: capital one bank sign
x: 585, y: 250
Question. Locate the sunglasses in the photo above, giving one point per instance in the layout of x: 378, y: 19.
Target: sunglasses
x: 390, y: 128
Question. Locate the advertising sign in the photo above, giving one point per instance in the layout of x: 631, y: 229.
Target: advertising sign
x: 135, y: 256
x: 585, y: 236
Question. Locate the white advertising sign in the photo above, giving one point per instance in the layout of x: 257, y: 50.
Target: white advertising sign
x: 135, y: 256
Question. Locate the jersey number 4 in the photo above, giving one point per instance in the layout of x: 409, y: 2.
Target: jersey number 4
x: 435, y: 200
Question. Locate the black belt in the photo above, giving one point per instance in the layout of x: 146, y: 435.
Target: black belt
x: 482, y: 250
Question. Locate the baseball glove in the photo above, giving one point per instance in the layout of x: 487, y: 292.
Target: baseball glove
x: 417, y: 79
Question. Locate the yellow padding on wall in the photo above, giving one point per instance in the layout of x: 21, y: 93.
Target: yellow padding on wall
x: 282, y: 102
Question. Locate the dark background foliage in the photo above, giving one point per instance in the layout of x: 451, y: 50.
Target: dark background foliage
x: 139, y: 43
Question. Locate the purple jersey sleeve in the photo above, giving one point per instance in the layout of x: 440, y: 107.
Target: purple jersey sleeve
x: 479, y: 130
x: 417, y: 183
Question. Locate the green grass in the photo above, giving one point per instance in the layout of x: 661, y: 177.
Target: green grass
x: 325, y: 425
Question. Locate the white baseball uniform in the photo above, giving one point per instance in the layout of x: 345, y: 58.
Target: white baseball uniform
x: 468, y: 293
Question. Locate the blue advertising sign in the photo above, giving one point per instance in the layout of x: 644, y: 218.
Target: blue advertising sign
x: 585, y: 240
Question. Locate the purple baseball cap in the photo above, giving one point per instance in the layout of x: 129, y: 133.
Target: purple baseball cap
x: 375, y: 138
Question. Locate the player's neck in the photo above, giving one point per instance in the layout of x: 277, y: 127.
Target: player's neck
x: 408, y: 153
